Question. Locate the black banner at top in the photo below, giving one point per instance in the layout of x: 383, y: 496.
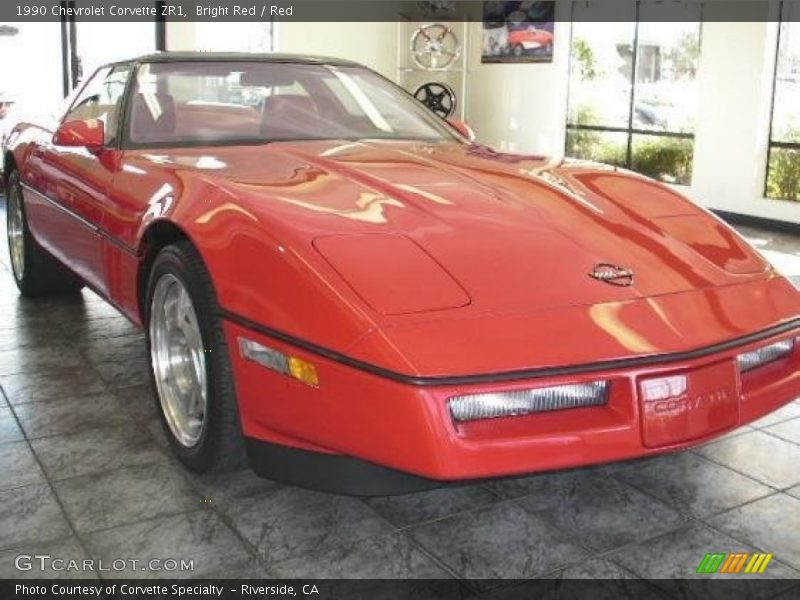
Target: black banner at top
x: 390, y: 10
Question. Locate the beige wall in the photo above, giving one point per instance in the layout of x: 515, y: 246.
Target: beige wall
x: 372, y: 44
x: 520, y: 107
x: 732, y: 134
x: 181, y: 36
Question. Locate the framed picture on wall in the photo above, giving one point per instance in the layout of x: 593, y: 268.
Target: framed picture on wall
x: 518, y: 32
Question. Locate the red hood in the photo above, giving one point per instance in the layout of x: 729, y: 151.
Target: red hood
x: 500, y: 241
x: 514, y: 232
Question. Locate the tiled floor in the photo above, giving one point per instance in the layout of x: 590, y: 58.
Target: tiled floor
x: 85, y: 474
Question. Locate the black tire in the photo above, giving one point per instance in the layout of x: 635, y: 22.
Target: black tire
x: 41, y: 273
x: 221, y: 444
x: 519, y: 50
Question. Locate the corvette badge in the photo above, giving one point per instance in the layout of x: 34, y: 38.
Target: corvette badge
x: 613, y: 274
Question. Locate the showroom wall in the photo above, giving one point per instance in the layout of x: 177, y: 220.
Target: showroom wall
x: 522, y: 107
x: 736, y: 79
x: 372, y: 44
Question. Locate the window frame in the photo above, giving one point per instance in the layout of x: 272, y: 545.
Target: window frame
x: 110, y: 139
x: 124, y: 141
x: 630, y: 131
x: 777, y: 144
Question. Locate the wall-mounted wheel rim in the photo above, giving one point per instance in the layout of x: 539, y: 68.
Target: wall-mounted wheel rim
x: 16, y: 233
x: 178, y: 360
x: 438, y: 97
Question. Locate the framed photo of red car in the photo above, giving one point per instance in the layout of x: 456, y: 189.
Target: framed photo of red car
x: 518, y: 32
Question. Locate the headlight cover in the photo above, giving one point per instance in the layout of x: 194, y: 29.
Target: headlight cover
x: 766, y: 354
x: 524, y: 402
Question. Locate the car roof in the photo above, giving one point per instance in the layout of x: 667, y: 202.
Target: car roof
x: 164, y: 57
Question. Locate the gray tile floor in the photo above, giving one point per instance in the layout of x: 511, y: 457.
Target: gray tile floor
x: 86, y: 474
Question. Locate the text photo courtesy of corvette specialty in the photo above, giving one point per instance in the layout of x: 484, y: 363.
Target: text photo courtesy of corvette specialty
x: 358, y: 297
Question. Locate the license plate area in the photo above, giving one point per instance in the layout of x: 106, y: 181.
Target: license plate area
x: 686, y: 405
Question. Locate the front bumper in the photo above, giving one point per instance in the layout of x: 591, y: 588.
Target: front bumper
x: 408, y: 427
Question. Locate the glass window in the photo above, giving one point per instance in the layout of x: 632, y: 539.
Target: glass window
x: 633, y: 92
x: 102, y: 42
x: 783, y: 172
x: 260, y: 101
x: 31, y: 79
x: 100, y: 99
x: 610, y: 147
x: 31, y: 73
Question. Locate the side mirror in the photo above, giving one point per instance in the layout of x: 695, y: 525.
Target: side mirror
x: 462, y: 128
x: 89, y: 134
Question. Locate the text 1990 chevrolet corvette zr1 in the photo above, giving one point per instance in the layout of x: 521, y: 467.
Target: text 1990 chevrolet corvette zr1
x: 359, y: 297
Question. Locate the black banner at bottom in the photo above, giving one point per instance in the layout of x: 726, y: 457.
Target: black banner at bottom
x: 419, y: 589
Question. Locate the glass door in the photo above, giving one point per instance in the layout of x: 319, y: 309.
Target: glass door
x: 98, y: 43
x: 31, y: 72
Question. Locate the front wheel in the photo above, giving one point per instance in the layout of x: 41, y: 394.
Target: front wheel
x: 190, y: 365
x: 35, y: 271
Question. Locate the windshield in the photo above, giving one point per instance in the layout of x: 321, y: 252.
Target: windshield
x: 249, y: 101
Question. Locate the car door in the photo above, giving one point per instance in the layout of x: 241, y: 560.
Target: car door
x: 74, y: 181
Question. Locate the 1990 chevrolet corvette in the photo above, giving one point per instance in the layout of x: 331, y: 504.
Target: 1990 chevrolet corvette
x: 353, y: 293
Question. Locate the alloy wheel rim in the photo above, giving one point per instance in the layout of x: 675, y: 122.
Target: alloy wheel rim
x: 16, y: 233
x: 178, y: 360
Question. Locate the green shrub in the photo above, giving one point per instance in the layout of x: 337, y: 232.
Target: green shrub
x: 667, y: 159
x: 664, y: 158
x: 598, y: 146
x: 594, y: 145
x: 783, y: 181
x: 583, y: 59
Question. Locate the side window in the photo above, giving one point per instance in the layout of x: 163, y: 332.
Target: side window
x: 101, y: 98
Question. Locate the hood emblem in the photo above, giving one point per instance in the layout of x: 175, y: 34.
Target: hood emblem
x: 612, y: 274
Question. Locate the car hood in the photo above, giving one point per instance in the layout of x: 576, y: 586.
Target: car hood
x: 490, y: 231
x: 449, y: 258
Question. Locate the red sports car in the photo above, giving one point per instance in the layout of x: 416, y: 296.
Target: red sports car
x: 347, y: 289
x: 529, y: 38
